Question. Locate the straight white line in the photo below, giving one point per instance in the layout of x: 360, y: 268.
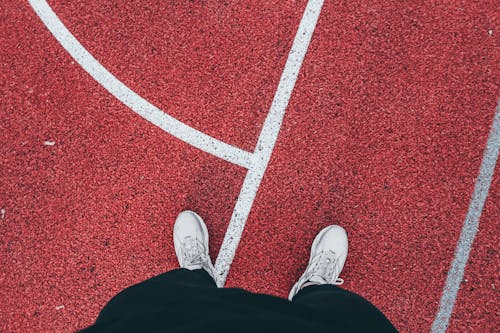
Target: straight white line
x: 267, y: 140
x: 470, y: 227
x: 128, y: 97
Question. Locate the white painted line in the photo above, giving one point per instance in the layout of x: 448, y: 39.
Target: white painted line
x: 267, y: 140
x: 49, y: 143
x: 470, y: 227
x: 128, y: 97
x: 256, y: 162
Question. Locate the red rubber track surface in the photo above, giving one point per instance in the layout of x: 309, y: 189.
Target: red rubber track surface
x: 384, y: 135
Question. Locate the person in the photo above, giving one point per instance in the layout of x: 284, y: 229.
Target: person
x: 188, y: 299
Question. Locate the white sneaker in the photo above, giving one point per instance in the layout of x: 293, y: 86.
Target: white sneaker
x: 191, y: 242
x: 328, y: 255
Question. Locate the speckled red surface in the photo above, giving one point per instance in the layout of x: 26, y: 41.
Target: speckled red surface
x: 384, y: 135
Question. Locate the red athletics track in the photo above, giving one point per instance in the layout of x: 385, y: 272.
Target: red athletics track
x: 384, y: 134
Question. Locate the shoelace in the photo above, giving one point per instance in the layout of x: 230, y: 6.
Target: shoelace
x: 325, y: 266
x: 193, y: 252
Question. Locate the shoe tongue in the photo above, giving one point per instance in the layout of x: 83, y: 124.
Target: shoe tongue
x: 317, y: 279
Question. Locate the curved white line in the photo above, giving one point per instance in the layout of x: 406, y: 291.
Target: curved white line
x: 128, y: 97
